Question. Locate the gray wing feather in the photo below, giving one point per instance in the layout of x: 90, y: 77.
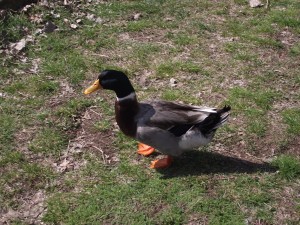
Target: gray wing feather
x: 165, y: 115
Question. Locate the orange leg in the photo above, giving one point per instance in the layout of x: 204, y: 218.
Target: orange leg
x: 161, y: 163
x: 145, y: 150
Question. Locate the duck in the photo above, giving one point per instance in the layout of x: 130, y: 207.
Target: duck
x: 171, y: 128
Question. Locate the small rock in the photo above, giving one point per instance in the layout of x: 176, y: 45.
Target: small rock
x: 255, y: 3
x: 212, y: 46
x: 169, y: 19
x: 49, y: 27
x: 78, y: 21
x: 73, y: 26
x: 173, y: 82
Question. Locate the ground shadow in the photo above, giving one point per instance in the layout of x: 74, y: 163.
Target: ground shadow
x: 196, y: 163
x: 15, y: 4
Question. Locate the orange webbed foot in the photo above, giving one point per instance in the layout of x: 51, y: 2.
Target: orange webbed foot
x: 161, y: 163
x: 145, y: 150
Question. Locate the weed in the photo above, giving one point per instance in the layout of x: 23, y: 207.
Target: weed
x: 7, y: 124
x: 13, y: 27
x: 73, y: 106
x: 182, y: 39
x: 289, y: 18
x: 292, y: 118
x: 171, y: 95
x: 102, y: 125
x: 191, y: 67
x: 165, y: 70
x: 243, y: 97
x: 11, y: 157
x: 295, y: 50
x: 289, y: 167
x: 49, y: 142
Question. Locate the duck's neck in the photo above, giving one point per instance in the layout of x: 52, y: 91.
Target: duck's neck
x: 124, y: 91
x: 127, y: 98
x: 126, y: 108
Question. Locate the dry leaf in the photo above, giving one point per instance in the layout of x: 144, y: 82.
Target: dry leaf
x: 90, y: 17
x: 35, y: 66
x: 26, y: 8
x: 143, y: 78
x: 99, y: 20
x: 19, y: 45
x: 63, y: 166
x: 66, y: 88
x: 137, y: 16
x: 169, y: 19
x: 55, y: 15
x: 76, y: 148
x: 36, y: 18
x: 44, y: 3
x: 38, y: 31
x: 11, y: 214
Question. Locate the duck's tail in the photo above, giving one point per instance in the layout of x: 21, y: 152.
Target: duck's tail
x: 214, y: 120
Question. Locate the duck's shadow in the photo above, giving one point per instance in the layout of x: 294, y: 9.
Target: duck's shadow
x: 198, y: 162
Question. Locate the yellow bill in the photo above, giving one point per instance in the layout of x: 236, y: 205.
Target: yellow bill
x: 94, y: 87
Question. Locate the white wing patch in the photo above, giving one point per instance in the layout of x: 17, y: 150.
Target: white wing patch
x: 193, y: 139
x: 206, y: 110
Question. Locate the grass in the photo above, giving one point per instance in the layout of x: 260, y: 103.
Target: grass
x: 289, y: 167
x: 292, y: 118
x: 7, y: 131
x: 170, y: 68
x: 56, y: 140
x: 48, y: 141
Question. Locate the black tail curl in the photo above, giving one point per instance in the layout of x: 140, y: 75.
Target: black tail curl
x: 226, y: 108
x: 214, y: 120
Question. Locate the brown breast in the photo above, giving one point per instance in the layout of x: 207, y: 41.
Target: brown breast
x: 125, y: 111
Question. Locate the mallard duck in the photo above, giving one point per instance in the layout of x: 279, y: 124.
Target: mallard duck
x: 171, y: 128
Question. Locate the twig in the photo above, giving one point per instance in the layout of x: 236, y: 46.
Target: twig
x: 95, y: 112
x: 68, y: 148
x: 165, y: 44
x: 267, y: 4
x: 102, y: 153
